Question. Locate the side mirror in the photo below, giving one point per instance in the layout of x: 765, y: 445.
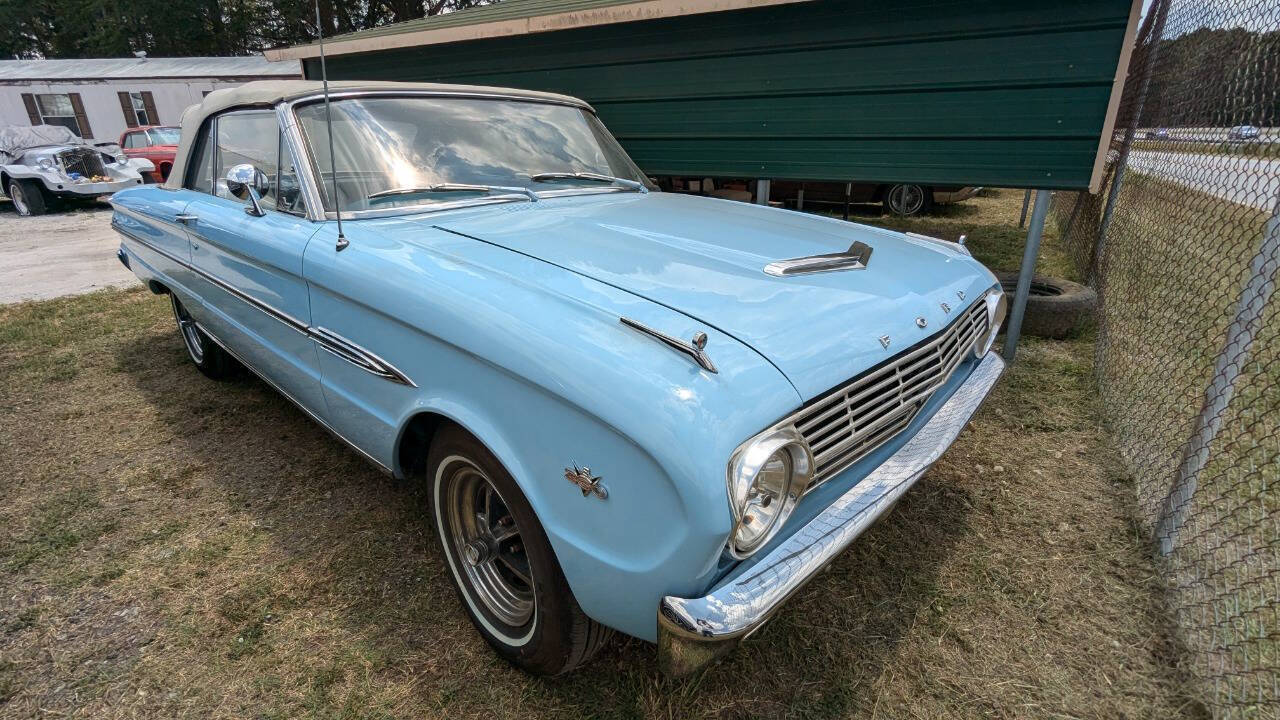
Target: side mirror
x: 246, y: 182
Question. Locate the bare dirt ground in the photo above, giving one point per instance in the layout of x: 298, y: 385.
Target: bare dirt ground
x: 175, y: 547
x: 63, y: 253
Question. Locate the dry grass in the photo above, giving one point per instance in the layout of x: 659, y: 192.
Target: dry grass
x: 175, y: 547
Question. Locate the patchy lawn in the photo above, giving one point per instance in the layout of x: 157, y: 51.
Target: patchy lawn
x: 175, y: 547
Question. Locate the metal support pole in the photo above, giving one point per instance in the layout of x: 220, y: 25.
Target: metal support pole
x: 1026, y: 200
x: 1231, y: 361
x: 1029, y: 255
x: 848, y: 193
x: 800, y: 198
x: 762, y: 192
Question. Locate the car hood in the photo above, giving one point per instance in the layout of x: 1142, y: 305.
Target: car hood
x: 706, y: 257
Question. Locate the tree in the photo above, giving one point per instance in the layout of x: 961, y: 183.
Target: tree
x: 178, y: 28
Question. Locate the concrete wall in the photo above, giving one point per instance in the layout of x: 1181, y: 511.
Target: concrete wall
x: 102, y: 104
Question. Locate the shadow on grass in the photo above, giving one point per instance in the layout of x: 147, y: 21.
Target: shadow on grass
x: 331, y: 538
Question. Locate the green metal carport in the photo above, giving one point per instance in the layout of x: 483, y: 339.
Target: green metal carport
x: 1002, y: 93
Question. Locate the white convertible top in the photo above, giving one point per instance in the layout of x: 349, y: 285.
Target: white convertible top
x: 268, y: 93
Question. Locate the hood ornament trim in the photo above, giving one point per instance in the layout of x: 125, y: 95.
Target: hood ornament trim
x: 693, y: 348
x: 857, y: 257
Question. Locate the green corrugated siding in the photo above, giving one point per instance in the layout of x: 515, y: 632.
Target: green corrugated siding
x: 998, y: 93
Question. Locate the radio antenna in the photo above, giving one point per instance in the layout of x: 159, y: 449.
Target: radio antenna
x: 328, y: 124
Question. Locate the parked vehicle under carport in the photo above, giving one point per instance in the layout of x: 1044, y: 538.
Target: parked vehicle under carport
x: 897, y: 198
x: 44, y: 164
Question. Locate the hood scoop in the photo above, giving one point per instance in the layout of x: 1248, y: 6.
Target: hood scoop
x: 855, y: 258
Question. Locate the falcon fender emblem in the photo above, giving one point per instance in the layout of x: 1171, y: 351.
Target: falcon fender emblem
x: 586, y: 482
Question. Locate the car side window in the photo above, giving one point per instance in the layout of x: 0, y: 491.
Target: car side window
x: 131, y: 141
x: 252, y: 138
x: 200, y: 170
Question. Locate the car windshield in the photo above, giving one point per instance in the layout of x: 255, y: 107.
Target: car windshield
x: 164, y: 135
x: 414, y: 151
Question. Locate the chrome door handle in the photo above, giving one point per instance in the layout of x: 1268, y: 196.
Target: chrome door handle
x: 185, y: 217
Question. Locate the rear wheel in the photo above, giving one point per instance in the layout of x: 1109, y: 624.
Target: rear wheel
x: 28, y: 197
x: 208, y: 356
x: 905, y: 199
x: 501, y: 562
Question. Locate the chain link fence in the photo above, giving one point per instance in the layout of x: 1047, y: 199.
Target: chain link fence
x: 1183, y: 246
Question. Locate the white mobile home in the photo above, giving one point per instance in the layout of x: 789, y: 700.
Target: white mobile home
x: 100, y: 98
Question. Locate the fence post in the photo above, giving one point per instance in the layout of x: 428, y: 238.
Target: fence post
x: 1230, y: 362
x: 1029, y: 255
x: 1158, y: 14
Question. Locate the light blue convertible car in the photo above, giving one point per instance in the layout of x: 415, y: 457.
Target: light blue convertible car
x: 635, y: 410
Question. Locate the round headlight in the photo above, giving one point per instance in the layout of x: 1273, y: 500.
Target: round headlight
x: 997, y: 307
x: 767, y: 475
x: 45, y: 163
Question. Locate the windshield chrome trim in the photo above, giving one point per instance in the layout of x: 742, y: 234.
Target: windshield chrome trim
x: 471, y: 94
x: 301, y: 161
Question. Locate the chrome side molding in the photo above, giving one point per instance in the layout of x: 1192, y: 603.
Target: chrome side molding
x: 335, y: 344
x: 857, y: 257
x: 328, y: 340
x: 693, y: 348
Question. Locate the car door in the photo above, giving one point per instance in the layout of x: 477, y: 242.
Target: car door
x: 251, y: 265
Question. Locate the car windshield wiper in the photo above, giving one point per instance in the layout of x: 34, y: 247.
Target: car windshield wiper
x: 596, y: 177
x: 453, y: 187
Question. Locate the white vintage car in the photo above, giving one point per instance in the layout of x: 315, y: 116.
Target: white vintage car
x: 43, y: 164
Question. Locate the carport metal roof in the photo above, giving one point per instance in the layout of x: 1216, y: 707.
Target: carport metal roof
x: 512, y: 17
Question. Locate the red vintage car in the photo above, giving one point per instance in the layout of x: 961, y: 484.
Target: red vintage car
x: 157, y: 143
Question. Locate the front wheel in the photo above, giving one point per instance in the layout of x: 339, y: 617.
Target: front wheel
x: 208, y: 357
x: 904, y: 199
x: 501, y: 562
x: 28, y: 197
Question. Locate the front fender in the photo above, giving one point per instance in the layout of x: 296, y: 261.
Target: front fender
x: 533, y: 360
x: 28, y: 172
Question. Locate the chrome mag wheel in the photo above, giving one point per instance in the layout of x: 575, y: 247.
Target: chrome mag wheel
x: 191, y: 336
x: 19, y: 198
x: 487, y: 543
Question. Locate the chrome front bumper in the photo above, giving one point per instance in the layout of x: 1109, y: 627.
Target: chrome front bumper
x: 695, y: 631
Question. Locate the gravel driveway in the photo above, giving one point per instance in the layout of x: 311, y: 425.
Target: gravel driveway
x: 64, y: 253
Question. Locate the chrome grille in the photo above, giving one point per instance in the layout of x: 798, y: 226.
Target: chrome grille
x: 855, y: 418
x: 86, y: 161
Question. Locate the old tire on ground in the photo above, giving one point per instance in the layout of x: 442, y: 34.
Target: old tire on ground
x: 27, y: 196
x: 501, y: 562
x: 907, y: 199
x: 208, y: 357
x: 1055, y: 307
